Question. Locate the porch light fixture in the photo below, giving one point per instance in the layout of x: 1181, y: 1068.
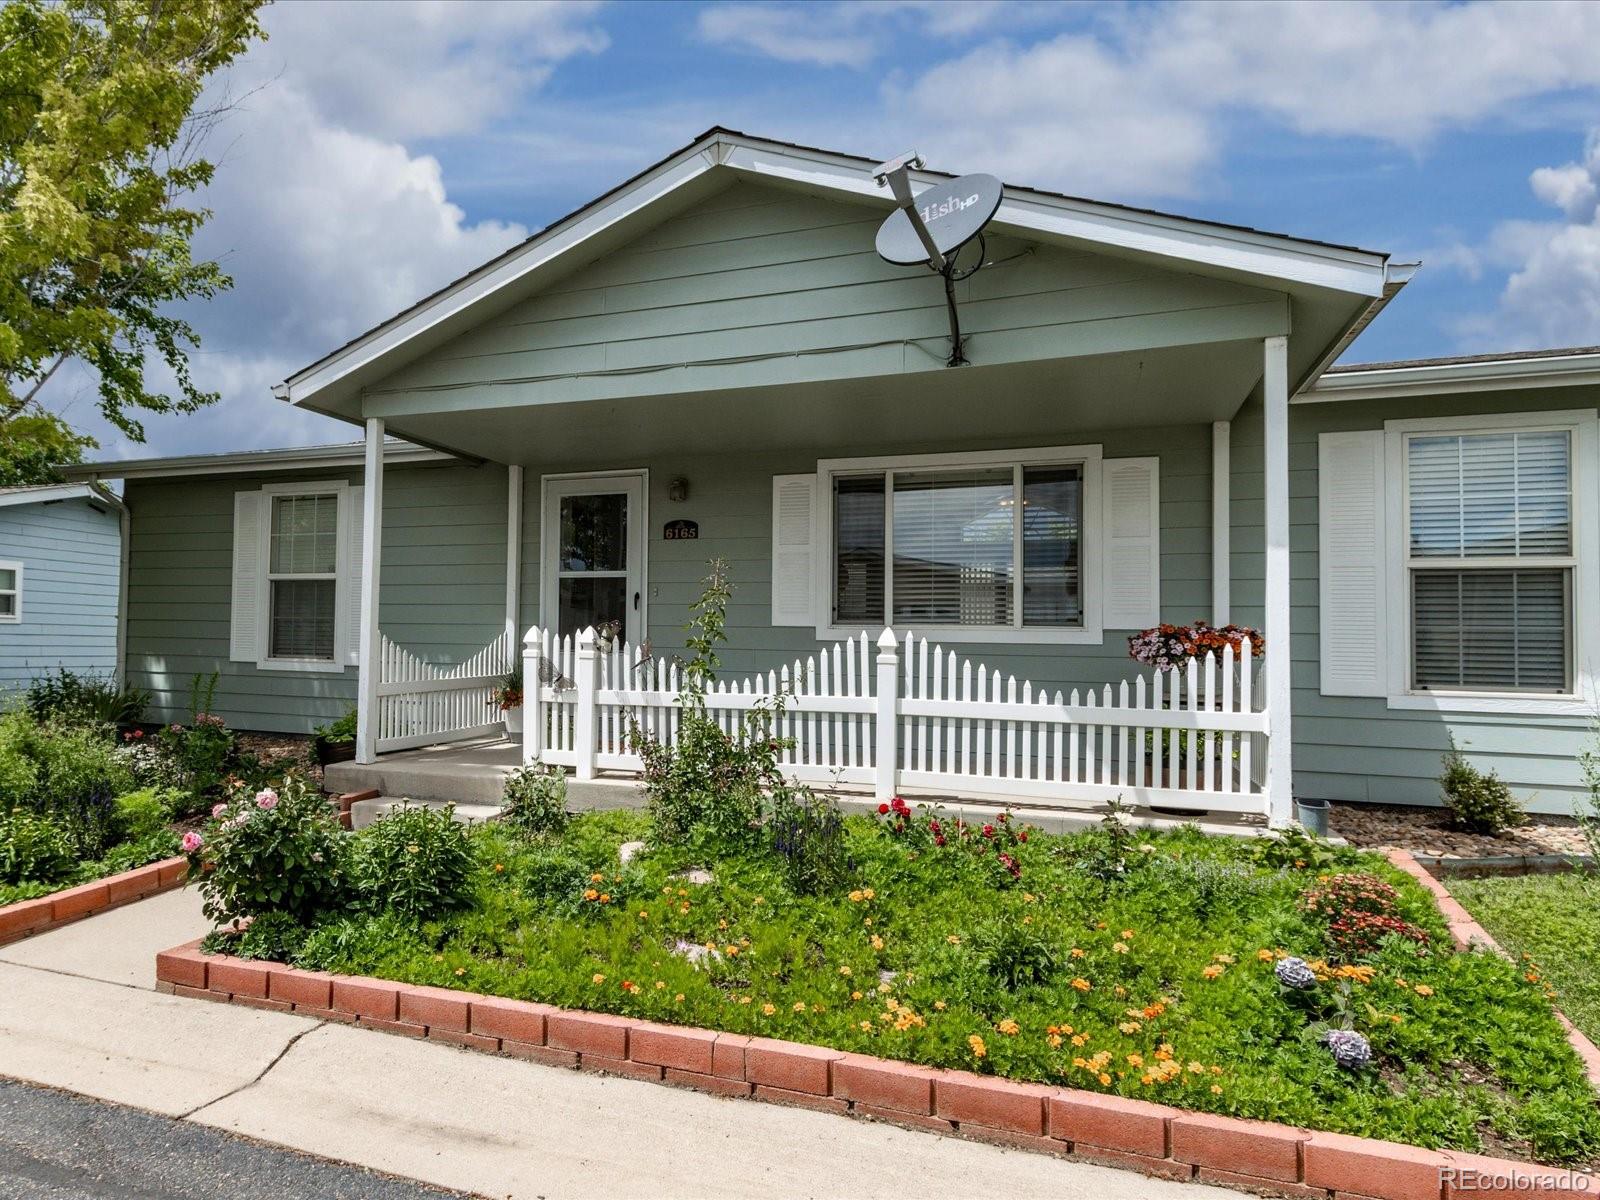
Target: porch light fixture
x: 932, y: 226
x: 678, y: 489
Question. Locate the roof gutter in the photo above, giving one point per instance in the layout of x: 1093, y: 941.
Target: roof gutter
x: 1395, y: 277
x: 1396, y: 380
x: 312, y: 458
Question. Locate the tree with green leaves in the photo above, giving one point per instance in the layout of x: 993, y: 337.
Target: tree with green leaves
x: 99, y: 155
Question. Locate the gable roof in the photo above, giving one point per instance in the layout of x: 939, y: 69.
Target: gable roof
x: 704, y: 164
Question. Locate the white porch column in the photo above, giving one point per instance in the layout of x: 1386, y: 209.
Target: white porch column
x: 1275, y: 394
x: 513, y: 558
x: 1221, y: 521
x: 371, y: 560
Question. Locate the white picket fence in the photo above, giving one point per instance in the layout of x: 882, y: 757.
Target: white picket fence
x: 422, y: 703
x: 918, y: 717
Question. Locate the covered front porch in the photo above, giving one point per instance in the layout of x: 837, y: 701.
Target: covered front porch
x: 1056, y: 718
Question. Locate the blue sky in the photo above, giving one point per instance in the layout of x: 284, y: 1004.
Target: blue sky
x: 380, y: 149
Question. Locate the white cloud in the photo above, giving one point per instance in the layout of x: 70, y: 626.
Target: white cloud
x: 852, y: 34
x: 1140, y: 101
x: 1552, y: 296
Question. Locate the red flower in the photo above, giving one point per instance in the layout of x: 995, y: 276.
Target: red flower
x: 882, y: 809
x: 939, y: 840
x: 1023, y: 836
x: 933, y: 827
x: 988, y: 831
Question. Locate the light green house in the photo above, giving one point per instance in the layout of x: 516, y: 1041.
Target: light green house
x: 711, y: 361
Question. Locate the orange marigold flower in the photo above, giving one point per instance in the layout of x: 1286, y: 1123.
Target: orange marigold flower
x: 799, y: 1006
x: 938, y: 1005
x: 1212, y: 971
x: 598, y: 978
x: 1130, y: 1027
x: 1082, y: 984
x: 978, y: 1048
x: 591, y: 894
x: 1264, y: 955
x: 1119, y: 947
x: 768, y: 1009
x: 855, y: 995
x: 1127, y: 935
x: 1009, y: 1027
x: 1105, y: 1080
x: 1077, y: 952
x: 1055, y: 1041
x: 1216, y: 1089
x: 1423, y: 989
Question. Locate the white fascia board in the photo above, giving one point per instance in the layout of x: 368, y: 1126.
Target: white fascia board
x: 58, y: 492
x: 1569, y: 371
x: 314, y: 458
x: 1028, y: 213
x: 640, y: 195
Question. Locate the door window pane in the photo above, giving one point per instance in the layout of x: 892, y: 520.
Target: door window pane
x: 953, y: 547
x: 305, y: 535
x: 594, y: 533
x: 1490, y: 630
x: 591, y: 600
x: 1052, y: 545
x: 858, y: 518
x: 302, y: 618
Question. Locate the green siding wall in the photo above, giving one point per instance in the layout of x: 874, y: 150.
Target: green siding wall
x: 759, y: 286
x: 1357, y: 748
x: 443, y: 593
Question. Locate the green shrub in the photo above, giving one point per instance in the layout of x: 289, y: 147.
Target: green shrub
x: 273, y: 937
x: 1480, y: 801
x: 77, y: 761
x: 84, y: 699
x: 33, y: 848
x: 19, y: 773
x: 340, y: 731
x: 202, y: 749
x: 143, y: 814
x: 1014, y: 954
x: 535, y: 801
x: 707, y: 789
x: 416, y: 862
x: 272, y: 851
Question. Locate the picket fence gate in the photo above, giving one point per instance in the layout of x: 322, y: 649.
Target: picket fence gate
x: 915, y: 716
x: 423, y: 704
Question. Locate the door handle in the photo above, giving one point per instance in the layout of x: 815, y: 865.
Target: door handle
x: 636, y: 602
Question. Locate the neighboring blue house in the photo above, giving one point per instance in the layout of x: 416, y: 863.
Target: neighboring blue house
x: 60, y: 580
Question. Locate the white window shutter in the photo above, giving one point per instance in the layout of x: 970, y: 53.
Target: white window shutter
x: 1130, y: 544
x: 248, y: 598
x: 794, y: 549
x: 1351, y: 504
x: 350, y: 576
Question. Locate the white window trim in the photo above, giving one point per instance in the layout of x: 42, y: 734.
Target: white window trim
x: 341, y: 649
x: 15, y: 616
x: 1582, y: 424
x: 1089, y: 457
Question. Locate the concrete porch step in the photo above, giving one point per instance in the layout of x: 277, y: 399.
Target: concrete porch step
x: 466, y: 772
x: 365, y: 812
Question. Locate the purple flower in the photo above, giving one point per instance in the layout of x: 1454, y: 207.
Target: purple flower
x: 1350, y: 1050
x: 266, y: 798
x: 192, y: 841
x: 1294, y: 973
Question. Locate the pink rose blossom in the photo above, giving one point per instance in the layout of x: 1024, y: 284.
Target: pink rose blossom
x: 192, y: 841
x: 218, y: 809
x: 266, y: 798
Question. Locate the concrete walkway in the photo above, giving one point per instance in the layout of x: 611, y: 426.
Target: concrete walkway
x: 78, y: 1012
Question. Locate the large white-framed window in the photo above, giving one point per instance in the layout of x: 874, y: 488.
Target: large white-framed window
x: 10, y: 592
x: 991, y: 546
x: 1494, y: 568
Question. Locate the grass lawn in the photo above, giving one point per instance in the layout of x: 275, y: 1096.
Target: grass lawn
x: 1555, y: 921
x: 1137, y: 964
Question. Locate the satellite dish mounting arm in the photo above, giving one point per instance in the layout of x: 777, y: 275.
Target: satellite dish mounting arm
x: 893, y: 175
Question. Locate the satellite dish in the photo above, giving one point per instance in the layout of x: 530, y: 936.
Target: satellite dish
x: 953, y: 213
x: 930, y: 227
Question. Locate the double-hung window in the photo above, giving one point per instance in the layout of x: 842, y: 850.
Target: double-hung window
x: 1490, y: 559
x: 976, y: 543
x: 10, y: 592
x: 303, y: 577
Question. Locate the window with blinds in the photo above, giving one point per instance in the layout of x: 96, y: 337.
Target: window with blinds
x: 942, y: 548
x: 1490, y: 561
x: 302, y: 576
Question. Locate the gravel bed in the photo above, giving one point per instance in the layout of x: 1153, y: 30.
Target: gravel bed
x: 1431, y: 831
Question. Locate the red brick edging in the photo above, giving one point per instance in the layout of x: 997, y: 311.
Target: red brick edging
x: 28, y: 917
x: 1155, y: 1139
x: 1466, y: 932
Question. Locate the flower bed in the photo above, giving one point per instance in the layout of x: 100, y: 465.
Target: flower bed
x: 1156, y: 1139
x: 1289, y: 982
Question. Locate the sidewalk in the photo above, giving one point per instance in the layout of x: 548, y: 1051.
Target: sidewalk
x: 78, y: 1012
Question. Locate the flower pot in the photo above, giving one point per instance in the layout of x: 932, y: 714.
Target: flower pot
x: 1313, y: 815
x: 513, y: 718
x: 334, y: 752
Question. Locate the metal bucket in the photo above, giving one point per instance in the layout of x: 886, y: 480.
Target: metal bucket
x: 1313, y: 815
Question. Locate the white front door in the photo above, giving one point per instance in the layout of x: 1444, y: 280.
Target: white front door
x: 593, y: 554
